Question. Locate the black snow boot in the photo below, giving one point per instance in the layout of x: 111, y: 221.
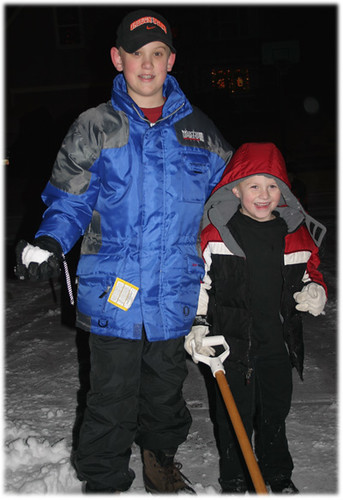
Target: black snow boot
x: 234, y: 486
x: 285, y: 486
x: 90, y: 491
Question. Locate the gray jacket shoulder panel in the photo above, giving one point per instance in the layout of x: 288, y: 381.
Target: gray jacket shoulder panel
x: 104, y: 127
x: 96, y: 129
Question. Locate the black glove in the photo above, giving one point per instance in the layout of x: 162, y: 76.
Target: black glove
x: 39, y: 261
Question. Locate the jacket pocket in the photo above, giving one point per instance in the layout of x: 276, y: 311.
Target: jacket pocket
x: 194, y: 177
x: 93, y: 292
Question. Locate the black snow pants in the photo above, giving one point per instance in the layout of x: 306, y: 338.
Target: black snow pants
x: 263, y: 404
x: 135, y: 396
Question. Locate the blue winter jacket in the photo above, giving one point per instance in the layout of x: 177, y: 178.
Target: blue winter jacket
x: 135, y: 191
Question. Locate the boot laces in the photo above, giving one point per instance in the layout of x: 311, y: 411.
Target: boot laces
x: 174, y: 477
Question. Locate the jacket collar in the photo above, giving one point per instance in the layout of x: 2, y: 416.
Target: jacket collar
x: 175, y: 99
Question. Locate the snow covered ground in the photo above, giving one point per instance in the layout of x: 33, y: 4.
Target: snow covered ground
x: 42, y: 381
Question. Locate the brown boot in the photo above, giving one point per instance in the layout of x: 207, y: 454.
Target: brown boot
x: 165, y: 478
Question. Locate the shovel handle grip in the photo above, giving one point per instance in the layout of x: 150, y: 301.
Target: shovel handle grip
x: 215, y: 363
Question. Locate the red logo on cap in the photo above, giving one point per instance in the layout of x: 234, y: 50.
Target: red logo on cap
x: 147, y: 20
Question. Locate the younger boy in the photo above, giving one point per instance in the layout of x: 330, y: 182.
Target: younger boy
x: 261, y: 259
x: 132, y: 177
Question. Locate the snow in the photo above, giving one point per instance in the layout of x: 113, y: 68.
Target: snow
x: 42, y: 387
x: 34, y: 254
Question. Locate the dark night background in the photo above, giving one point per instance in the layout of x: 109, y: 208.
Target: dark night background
x: 280, y: 87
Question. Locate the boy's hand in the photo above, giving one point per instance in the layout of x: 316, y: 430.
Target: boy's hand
x: 36, y: 263
x: 312, y: 298
x: 197, y: 334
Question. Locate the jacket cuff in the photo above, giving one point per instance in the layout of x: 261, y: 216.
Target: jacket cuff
x: 50, y: 244
x: 200, y: 320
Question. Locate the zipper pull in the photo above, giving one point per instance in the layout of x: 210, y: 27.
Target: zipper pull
x: 68, y: 280
x: 105, y: 292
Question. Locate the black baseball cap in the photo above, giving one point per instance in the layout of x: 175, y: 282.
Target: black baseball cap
x: 141, y: 27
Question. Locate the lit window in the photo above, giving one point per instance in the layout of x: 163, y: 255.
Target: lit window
x: 234, y: 81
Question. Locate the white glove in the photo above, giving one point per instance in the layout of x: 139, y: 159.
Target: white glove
x: 197, y: 334
x: 312, y: 298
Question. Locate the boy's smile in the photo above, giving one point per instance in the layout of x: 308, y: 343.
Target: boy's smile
x: 259, y: 196
x: 145, y: 71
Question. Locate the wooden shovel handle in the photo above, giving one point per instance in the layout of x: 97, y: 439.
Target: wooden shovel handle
x: 241, y: 434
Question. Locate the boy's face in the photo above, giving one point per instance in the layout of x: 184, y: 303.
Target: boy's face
x: 145, y: 71
x: 259, y: 196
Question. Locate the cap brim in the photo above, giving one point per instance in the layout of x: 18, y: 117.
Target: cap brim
x: 138, y: 42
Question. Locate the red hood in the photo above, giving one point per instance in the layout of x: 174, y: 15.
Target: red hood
x: 255, y: 158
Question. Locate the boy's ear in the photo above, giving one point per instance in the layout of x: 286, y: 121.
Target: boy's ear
x: 116, y: 59
x: 171, y: 61
x: 235, y: 191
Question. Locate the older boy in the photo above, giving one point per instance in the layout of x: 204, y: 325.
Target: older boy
x: 132, y: 177
x: 261, y: 258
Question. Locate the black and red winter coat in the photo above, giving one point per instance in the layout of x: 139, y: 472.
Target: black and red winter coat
x: 224, y: 296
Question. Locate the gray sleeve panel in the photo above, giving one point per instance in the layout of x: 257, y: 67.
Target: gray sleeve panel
x: 83, y: 321
x: 95, y: 129
x: 92, y: 239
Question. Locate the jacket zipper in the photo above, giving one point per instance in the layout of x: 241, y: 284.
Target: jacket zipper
x: 160, y: 119
x: 250, y: 369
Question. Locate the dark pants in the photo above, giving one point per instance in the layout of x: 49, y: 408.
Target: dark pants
x: 135, y: 395
x: 263, y: 405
